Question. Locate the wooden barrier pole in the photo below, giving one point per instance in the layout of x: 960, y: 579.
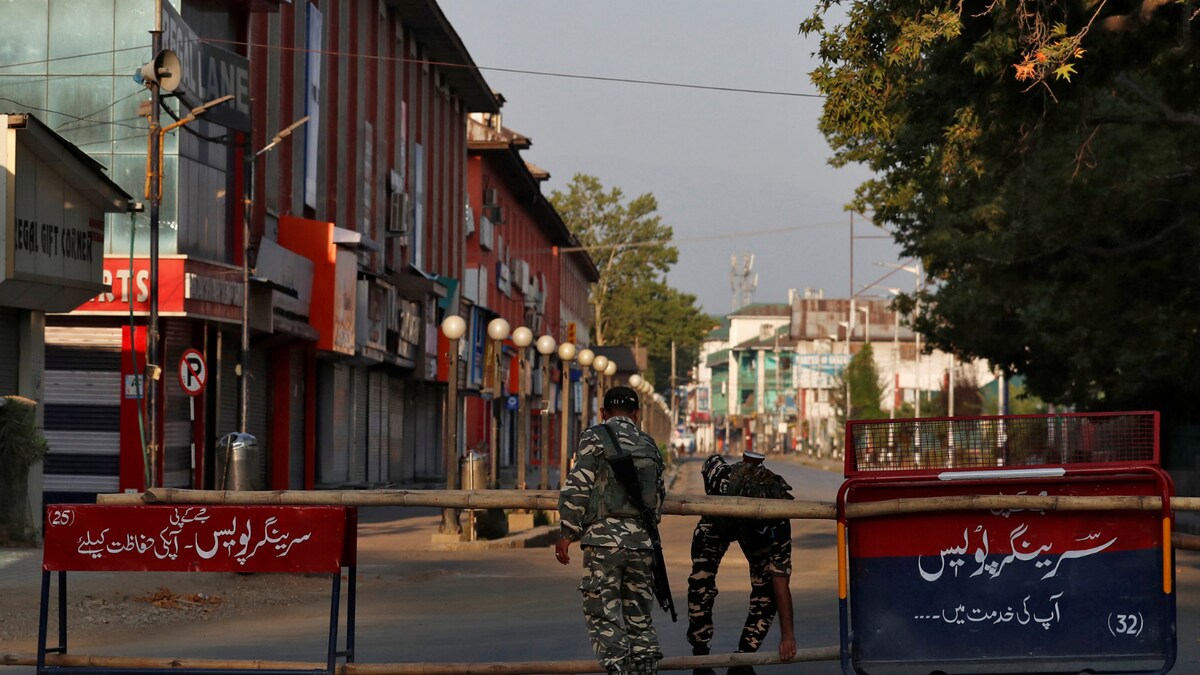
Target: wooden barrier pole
x: 764, y: 658
x: 687, y: 505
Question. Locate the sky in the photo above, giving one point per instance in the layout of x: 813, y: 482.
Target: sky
x: 719, y: 163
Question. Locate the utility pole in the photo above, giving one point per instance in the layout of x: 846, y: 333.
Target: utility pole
x: 155, y: 198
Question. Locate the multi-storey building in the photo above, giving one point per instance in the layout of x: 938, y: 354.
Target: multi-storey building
x: 357, y: 234
x: 516, y: 270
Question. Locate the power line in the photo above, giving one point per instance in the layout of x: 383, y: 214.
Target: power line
x: 677, y: 240
x: 541, y: 73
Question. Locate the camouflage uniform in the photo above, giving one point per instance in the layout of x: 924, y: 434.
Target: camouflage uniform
x: 767, y: 545
x: 617, y: 584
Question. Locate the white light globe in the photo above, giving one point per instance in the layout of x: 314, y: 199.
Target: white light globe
x: 599, y: 364
x: 585, y: 357
x: 546, y: 345
x: 611, y: 368
x: 497, y: 329
x: 522, y: 337
x: 566, y: 351
x: 635, y: 381
x: 454, y: 327
x: 658, y: 397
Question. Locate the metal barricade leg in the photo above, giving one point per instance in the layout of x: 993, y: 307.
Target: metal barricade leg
x: 334, y: 605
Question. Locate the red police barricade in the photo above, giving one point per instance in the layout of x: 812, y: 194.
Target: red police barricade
x: 100, y: 538
x: 961, y: 590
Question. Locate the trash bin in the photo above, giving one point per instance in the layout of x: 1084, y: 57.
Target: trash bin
x: 240, y: 463
x: 474, y: 471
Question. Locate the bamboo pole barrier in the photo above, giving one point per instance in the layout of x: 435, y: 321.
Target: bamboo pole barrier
x: 765, y: 658
x: 686, y: 505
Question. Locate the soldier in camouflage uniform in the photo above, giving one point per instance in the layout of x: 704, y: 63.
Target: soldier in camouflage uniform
x: 618, y: 579
x: 767, y: 545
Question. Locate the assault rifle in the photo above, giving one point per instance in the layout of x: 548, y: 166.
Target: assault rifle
x: 624, y: 471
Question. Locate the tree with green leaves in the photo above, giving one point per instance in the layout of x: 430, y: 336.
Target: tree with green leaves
x: 866, y: 388
x: 631, y: 247
x: 627, y: 239
x: 1040, y: 159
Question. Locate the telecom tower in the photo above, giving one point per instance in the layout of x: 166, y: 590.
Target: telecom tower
x: 742, y: 281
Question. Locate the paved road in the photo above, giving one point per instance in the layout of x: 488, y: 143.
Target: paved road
x: 493, y: 605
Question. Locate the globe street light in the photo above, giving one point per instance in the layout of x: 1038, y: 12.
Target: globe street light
x: 609, y: 371
x: 566, y: 352
x: 599, y: 365
x: 497, y: 330
x: 522, y: 337
x: 453, y: 327
x: 586, y: 358
x: 545, y: 346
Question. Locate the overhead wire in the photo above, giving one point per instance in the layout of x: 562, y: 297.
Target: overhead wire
x: 540, y: 73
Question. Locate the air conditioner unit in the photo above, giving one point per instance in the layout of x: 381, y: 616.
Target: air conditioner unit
x: 399, y: 213
x: 497, y: 214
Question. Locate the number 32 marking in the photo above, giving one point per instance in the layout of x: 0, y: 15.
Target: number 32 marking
x: 1125, y: 624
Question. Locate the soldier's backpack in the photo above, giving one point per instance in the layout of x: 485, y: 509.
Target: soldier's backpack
x: 750, y: 480
x: 756, y: 480
x: 609, y: 497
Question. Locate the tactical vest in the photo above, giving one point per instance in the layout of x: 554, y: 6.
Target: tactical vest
x: 609, y: 497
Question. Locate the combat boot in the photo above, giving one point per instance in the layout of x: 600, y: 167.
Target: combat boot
x: 701, y: 650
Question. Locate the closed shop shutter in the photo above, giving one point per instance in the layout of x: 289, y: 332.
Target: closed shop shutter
x: 177, y: 420
x: 258, y: 421
x: 228, y: 415
x: 10, y: 342
x: 334, y: 424
x: 82, y: 415
x: 397, y: 467
x: 224, y: 377
x: 376, y: 427
x: 296, y: 420
x: 426, y: 431
x: 358, y: 464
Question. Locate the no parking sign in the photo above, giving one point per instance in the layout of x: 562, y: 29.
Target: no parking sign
x: 193, y: 372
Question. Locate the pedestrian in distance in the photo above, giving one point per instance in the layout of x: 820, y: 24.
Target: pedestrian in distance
x: 767, y: 545
x: 606, y: 510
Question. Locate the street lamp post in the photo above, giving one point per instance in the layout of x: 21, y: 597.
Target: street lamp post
x: 545, y: 347
x: 635, y: 383
x: 566, y: 352
x: 497, y: 331
x: 453, y: 327
x: 522, y: 337
x: 600, y: 365
x: 609, y: 371
x: 586, y: 358
x: 243, y: 367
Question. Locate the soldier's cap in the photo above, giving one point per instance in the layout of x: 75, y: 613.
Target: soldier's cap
x: 753, y: 457
x: 621, y: 398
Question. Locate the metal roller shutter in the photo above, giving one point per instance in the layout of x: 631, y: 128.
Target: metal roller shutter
x: 358, y: 463
x: 334, y: 423
x: 258, y: 417
x: 177, y: 414
x: 376, y: 429
x: 296, y: 420
x: 82, y: 394
x: 395, y: 433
